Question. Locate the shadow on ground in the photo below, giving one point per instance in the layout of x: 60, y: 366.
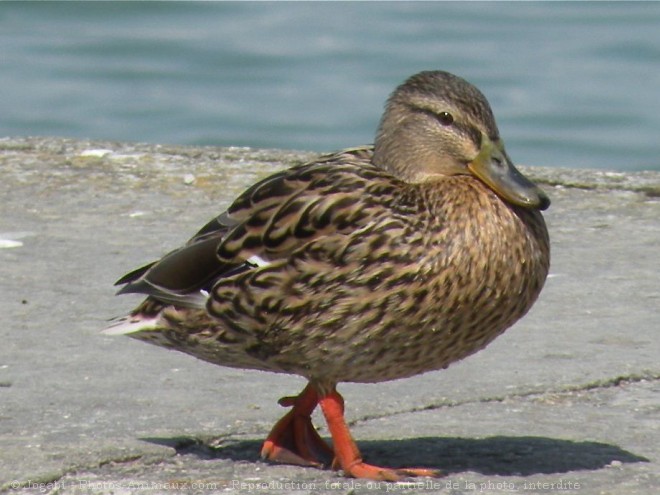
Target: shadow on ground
x: 501, y: 455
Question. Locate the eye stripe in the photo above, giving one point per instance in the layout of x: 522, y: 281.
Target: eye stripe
x: 472, y: 132
x: 467, y: 130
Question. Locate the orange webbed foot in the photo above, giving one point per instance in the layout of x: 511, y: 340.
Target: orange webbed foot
x: 293, y: 439
x: 368, y: 471
x: 347, y: 455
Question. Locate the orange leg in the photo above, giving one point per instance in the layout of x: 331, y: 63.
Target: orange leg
x: 347, y: 455
x: 293, y: 439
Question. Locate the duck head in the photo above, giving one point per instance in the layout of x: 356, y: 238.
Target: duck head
x: 437, y: 124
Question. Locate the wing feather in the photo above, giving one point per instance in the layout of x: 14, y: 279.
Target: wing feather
x: 268, y: 222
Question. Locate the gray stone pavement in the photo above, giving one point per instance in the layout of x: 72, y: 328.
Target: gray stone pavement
x: 566, y: 401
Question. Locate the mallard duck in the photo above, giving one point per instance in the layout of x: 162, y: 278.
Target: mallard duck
x: 366, y: 265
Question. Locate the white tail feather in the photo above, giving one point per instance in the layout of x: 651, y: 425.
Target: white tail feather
x: 131, y: 324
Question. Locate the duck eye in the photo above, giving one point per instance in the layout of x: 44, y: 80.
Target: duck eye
x: 446, y: 118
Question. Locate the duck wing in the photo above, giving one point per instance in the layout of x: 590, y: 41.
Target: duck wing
x: 268, y: 222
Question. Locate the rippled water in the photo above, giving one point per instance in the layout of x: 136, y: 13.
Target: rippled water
x: 571, y: 84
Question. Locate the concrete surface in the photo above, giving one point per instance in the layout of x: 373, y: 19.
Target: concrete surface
x: 566, y: 401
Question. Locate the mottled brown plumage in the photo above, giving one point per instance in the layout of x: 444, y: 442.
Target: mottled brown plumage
x: 365, y: 265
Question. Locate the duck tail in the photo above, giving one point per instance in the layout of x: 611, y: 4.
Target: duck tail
x: 132, y: 324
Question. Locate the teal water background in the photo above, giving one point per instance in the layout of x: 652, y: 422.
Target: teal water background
x: 571, y: 84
